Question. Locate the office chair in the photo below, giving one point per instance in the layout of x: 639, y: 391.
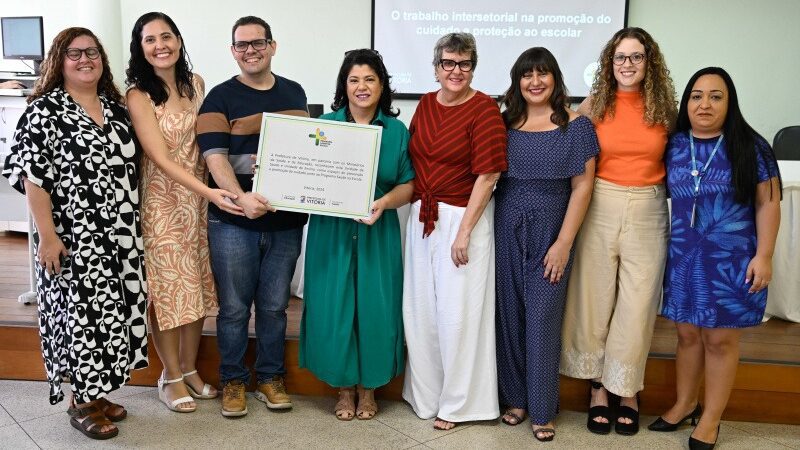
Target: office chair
x: 787, y: 143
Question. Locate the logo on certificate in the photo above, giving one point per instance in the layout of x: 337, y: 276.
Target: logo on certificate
x: 312, y: 200
x: 320, y: 139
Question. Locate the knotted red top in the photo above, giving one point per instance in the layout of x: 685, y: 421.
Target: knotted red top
x: 450, y: 146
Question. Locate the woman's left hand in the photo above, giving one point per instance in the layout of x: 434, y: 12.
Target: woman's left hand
x: 759, y: 272
x: 555, y: 261
x: 224, y: 201
x: 459, y: 250
x: 377, y: 210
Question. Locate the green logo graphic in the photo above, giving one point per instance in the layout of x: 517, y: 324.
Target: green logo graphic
x: 318, y: 136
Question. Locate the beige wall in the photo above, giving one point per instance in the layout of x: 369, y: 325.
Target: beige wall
x: 757, y: 42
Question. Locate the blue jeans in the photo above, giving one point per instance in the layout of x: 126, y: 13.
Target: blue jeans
x: 252, y: 265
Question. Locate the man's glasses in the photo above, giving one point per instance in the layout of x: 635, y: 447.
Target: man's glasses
x: 619, y: 58
x: 449, y: 65
x: 75, y: 53
x: 258, y: 44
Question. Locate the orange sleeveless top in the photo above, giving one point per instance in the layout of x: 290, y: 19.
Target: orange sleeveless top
x: 631, y: 152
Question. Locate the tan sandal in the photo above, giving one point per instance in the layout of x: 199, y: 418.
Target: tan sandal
x: 345, y: 408
x: 444, y: 427
x: 93, y: 421
x: 367, y: 407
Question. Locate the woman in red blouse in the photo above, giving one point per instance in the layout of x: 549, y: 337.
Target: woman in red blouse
x: 458, y: 149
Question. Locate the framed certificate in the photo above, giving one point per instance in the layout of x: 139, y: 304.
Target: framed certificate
x: 317, y: 166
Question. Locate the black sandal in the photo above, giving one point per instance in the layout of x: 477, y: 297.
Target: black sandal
x: 516, y: 419
x: 598, y: 411
x: 626, y: 412
x: 544, y: 438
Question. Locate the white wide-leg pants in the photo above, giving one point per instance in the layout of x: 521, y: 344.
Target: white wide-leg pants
x: 448, y: 315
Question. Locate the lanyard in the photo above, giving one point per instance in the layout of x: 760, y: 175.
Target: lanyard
x: 697, y: 175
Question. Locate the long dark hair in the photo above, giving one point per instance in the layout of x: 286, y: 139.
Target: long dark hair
x: 372, y: 59
x: 52, y: 75
x: 741, y: 139
x: 541, y: 60
x: 140, y: 73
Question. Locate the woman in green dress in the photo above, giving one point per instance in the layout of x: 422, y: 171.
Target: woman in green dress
x: 351, y: 335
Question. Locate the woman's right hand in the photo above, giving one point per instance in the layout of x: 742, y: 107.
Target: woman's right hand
x: 50, y: 251
x: 224, y: 201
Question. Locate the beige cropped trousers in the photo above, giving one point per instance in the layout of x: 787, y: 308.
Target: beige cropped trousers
x: 615, y: 287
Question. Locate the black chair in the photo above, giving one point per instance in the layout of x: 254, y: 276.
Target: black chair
x: 787, y: 143
x: 315, y: 110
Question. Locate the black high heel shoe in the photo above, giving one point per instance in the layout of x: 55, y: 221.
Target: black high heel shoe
x: 628, y: 429
x: 662, y: 425
x: 695, y: 444
x: 598, y: 411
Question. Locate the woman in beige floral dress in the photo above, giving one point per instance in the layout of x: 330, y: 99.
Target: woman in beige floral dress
x: 163, y: 98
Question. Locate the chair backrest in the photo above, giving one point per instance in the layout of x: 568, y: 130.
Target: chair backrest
x: 787, y: 143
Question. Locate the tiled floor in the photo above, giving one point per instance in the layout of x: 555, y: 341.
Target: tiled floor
x: 28, y: 421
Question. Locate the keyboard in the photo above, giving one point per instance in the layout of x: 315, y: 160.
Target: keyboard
x: 15, y: 92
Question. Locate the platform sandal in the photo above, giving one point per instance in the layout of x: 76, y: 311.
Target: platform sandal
x: 598, y: 411
x: 173, y: 404
x: 205, y: 393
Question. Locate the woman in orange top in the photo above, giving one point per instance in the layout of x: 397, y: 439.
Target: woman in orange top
x: 620, y: 251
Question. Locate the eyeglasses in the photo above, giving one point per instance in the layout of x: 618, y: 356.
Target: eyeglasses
x: 258, y: 44
x: 449, y: 65
x: 619, y: 58
x: 368, y: 50
x: 75, y: 53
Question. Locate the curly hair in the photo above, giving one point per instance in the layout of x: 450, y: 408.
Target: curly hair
x: 372, y: 59
x: 657, y: 89
x: 52, y: 75
x: 541, y: 60
x: 140, y: 73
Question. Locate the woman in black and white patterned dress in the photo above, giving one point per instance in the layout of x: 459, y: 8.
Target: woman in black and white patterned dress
x: 76, y: 160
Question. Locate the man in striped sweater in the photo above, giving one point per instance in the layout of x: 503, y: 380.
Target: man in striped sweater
x: 252, y: 257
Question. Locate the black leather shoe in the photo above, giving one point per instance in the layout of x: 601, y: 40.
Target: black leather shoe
x: 695, y: 444
x: 598, y: 411
x: 628, y: 429
x: 662, y: 425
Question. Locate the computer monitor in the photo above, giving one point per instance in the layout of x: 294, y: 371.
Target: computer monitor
x: 23, y: 38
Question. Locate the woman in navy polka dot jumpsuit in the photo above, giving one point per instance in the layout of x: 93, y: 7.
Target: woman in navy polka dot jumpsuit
x: 540, y: 204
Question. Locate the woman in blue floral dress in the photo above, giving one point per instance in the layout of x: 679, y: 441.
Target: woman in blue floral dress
x: 725, y: 187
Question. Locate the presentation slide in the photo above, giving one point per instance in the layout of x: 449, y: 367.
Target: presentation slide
x: 405, y: 31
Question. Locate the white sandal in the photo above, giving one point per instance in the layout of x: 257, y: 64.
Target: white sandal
x: 173, y: 405
x: 205, y: 394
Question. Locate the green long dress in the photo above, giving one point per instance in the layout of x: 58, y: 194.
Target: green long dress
x: 352, y: 330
